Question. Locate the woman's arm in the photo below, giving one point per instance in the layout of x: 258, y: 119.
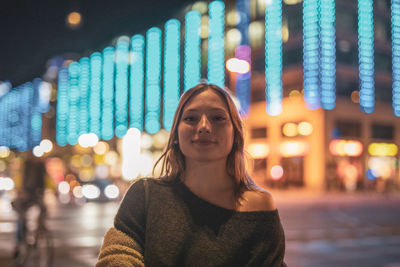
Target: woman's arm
x: 123, y: 244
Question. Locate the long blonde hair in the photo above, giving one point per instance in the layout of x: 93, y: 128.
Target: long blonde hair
x: 173, y: 161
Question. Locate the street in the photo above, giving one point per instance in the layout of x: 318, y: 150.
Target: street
x: 334, y: 229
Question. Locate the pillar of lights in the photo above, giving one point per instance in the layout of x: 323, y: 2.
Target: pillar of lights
x: 36, y: 115
x: 21, y: 116
x: 3, y: 121
x: 366, y: 55
x: 153, y: 76
x: 395, y: 10
x: 273, y: 57
x: 171, y: 71
x: 191, y: 72
x: 327, y: 54
x: 136, y: 82
x: 107, y: 114
x: 73, y: 99
x: 62, y: 107
x: 95, y: 93
x: 243, y: 52
x: 121, y: 88
x: 311, y: 53
x: 84, y: 95
x: 216, y: 60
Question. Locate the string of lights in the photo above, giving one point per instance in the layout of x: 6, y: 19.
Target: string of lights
x: 171, y: 71
x: 136, y: 82
x: 191, y: 72
x: 395, y: 11
x: 107, y: 114
x: 95, y: 93
x: 121, y: 88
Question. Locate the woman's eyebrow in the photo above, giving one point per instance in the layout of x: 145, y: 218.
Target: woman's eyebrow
x: 212, y: 109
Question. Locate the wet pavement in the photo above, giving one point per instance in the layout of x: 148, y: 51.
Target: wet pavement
x: 321, y: 230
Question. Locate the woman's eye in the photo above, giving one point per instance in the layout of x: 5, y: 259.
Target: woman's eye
x: 219, y: 118
x: 189, y: 118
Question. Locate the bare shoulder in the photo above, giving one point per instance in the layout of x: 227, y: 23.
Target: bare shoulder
x: 257, y: 200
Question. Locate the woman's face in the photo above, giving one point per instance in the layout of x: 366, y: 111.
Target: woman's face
x: 205, y: 131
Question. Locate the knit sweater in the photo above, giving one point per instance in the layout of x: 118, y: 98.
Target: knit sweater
x: 174, y: 227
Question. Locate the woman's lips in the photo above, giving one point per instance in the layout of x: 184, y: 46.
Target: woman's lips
x: 204, y: 142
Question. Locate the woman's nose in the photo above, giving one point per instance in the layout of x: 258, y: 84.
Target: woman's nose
x: 204, y: 125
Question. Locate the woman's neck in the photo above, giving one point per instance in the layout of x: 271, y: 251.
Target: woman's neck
x: 210, y: 181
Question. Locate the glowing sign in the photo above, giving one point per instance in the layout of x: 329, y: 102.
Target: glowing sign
x: 258, y: 150
x: 293, y: 149
x: 366, y: 55
x: 273, y: 57
x: 351, y: 148
x: 216, y: 70
x: 382, y: 149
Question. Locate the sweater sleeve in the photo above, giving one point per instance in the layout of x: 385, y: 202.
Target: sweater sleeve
x: 123, y: 244
x: 271, y: 251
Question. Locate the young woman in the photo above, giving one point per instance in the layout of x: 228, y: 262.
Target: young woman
x: 204, y: 210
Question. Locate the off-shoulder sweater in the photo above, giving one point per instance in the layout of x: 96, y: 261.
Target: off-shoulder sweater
x: 165, y: 224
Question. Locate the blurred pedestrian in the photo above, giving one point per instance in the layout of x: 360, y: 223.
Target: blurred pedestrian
x: 204, y: 209
x: 29, y: 194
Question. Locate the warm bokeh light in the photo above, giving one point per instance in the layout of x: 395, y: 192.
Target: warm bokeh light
x: 304, y: 128
x: 63, y: 187
x: 4, y: 152
x: 6, y: 183
x: 258, y: 150
x: 293, y: 149
x: 352, y: 148
x: 88, y: 140
x: 90, y: 191
x: 232, y: 18
x: 237, y: 65
x: 146, y: 141
x: 355, y: 96
x: 276, y: 172
x: 77, y: 191
x: 111, y: 191
x: 37, y: 151
x: 285, y: 33
x: 130, y: 154
x: 294, y: 94
x: 74, y: 19
x: 382, y: 149
x: 292, y: 2
x: 383, y: 167
x: 101, y: 148
x: 289, y: 129
x: 46, y: 145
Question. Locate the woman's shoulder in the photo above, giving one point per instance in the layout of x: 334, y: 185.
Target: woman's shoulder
x: 257, y: 199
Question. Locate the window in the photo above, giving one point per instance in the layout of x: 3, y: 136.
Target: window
x: 379, y: 131
x: 348, y: 129
x: 259, y: 132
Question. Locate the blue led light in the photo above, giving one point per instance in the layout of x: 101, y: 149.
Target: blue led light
x: 171, y: 71
x: 84, y: 95
x: 191, y: 73
x: 273, y: 57
x: 243, y: 52
x: 395, y: 10
x: 153, y: 76
x: 137, y: 82
x: 73, y: 99
x: 328, y: 54
x: 107, y: 115
x: 216, y: 60
x: 121, y: 88
x: 366, y: 55
x: 62, y: 107
x: 311, y: 55
x: 95, y: 93
x: 35, y: 114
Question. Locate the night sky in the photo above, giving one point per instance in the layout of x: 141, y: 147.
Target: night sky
x: 33, y: 31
